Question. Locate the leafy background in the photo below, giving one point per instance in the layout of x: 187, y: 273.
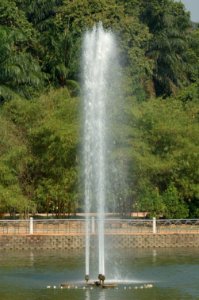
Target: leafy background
x: 157, y: 129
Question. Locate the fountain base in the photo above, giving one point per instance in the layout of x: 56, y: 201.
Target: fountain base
x: 122, y: 285
x: 102, y: 285
x: 95, y: 284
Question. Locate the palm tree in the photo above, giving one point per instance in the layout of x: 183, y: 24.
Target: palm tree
x: 169, y: 25
x: 19, y: 71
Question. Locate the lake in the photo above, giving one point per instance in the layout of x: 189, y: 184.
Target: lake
x: 141, y: 275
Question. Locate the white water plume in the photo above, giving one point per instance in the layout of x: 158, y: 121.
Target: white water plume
x: 98, y: 55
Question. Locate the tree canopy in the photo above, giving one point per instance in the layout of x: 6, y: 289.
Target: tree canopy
x: 155, y: 132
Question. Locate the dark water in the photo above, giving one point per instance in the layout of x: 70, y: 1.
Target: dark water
x: 172, y: 273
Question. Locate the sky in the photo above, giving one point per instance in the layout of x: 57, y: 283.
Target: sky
x: 193, y: 7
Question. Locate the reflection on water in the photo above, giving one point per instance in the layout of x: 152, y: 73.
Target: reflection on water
x: 31, y: 258
x: 154, y: 255
x: 102, y: 295
x: 87, y: 295
x: 172, y: 273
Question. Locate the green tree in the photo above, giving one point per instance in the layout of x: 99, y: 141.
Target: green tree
x: 13, y: 161
x: 39, y: 150
x: 170, y: 27
x: 54, y: 45
x: 164, y: 148
x: 20, y: 71
x: 54, y: 156
x: 74, y: 18
x: 151, y: 202
x: 175, y: 208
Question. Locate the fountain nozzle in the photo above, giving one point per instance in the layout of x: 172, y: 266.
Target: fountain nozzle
x: 86, y: 278
x: 101, y: 278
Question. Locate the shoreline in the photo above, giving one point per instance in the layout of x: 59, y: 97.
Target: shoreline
x: 112, y: 241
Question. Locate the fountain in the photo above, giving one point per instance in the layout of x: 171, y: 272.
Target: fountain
x: 98, y: 52
x: 99, y: 65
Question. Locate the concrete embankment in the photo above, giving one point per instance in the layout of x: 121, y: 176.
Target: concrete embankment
x: 116, y: 241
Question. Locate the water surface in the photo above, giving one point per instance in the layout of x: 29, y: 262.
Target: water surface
x: 173, y: 274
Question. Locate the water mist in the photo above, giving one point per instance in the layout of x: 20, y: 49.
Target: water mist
x: 98, y: 53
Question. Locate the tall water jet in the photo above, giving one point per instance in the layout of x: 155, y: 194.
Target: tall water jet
x: 98, y: 53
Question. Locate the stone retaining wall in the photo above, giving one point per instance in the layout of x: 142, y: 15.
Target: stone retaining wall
x: 42, y: 242
x: 155, y: 241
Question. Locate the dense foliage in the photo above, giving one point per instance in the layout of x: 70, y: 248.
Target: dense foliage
x: 156, y: 139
